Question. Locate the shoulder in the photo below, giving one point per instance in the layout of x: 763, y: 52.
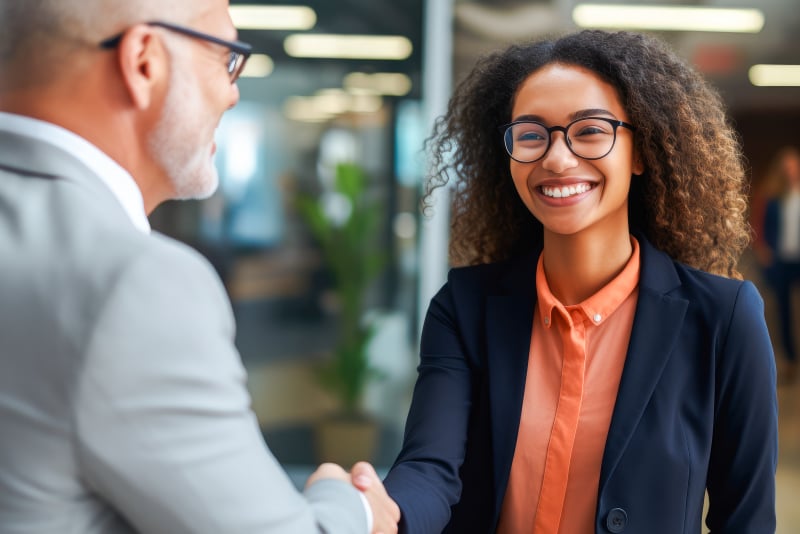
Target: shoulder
x: 466, y: 298
x: 163, y: 252
x: 666, y: 277
x: 713, y: 290
x: 104, y: 262
x: 163, y: 274
x: 73, y: 249
x: 713, y: 305
x: 497, y: 278
x: 723, y: 308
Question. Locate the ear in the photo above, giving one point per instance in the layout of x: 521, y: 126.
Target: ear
x: 638, y: 164
x: 143, y: 62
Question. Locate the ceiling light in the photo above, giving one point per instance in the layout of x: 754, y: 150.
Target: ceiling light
x: 365, y: 103
x: 775, y: 75
x: 298, y: 108
x: 327, y: 103
x: 258, y: 66
x: 318, y: 45
x: 333, y: 101
x: 338, y: 101
x: 683, y: 18
x: 255, y: 17
x: 507, y: 23
x: 381, y: 83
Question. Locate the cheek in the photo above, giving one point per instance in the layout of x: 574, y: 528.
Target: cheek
x: 618, y: 178
x: 520, y: 178
x: 520, y: 172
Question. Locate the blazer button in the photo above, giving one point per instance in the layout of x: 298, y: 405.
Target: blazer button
x: 616, y: 520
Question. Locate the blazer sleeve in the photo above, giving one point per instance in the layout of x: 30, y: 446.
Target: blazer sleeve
x: 164, y: 430
x: 741, y: 476
x: 424, y: 480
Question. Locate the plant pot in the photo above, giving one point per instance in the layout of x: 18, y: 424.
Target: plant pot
x: 345, y: 440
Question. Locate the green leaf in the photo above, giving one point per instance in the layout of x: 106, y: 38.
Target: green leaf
x: 349, y: 251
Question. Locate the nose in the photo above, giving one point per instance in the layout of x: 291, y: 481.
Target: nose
x: 559, y: 157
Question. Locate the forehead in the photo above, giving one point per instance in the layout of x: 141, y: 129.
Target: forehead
x: 213, y: 17
x: 555, y: 91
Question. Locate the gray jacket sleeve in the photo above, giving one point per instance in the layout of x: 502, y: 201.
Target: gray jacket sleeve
x: 163, y: 425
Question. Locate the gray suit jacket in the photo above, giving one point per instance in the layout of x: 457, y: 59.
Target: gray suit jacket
x: 123, y: 404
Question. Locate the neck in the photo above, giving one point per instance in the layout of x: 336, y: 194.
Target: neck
x: 578, y: 266
x: 98, y: 118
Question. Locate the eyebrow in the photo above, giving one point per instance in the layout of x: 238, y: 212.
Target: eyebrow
x: 575, y: 115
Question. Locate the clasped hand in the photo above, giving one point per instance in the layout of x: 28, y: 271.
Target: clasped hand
x: 385, y: 512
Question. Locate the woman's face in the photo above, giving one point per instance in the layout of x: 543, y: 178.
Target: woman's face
x: 567, y: 194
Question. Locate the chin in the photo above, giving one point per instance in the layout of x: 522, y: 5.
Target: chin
x: 197, y: 185
x: 565, y: 228
x: 209, y: 185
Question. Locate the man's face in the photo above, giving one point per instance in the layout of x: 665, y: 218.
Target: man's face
x: 199, y: 92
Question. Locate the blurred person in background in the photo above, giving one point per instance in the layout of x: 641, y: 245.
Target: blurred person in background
x: 778, y: 247
x: 123, y: 403
x: 596, y: 364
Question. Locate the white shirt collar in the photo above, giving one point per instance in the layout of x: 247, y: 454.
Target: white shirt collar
x: 116, y: 178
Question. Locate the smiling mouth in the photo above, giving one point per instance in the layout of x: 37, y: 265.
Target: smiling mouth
x: 565, y: 191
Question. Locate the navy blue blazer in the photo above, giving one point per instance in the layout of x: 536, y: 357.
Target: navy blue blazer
x: 696, y: 406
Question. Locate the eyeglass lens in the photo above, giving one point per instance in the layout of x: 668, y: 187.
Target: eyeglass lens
x: 234, y: 60
x: 590, y: 138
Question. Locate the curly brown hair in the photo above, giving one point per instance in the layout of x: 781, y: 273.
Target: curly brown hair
x: 691, y: 202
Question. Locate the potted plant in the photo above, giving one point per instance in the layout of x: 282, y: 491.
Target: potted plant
x: 345, y: 223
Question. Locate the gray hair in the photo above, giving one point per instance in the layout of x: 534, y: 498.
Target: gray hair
x: 38, y: 38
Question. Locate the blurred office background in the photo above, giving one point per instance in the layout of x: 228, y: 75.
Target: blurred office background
x: 310, y: 101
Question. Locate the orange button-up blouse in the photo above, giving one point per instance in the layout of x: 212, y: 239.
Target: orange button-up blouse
x: 574, y: 368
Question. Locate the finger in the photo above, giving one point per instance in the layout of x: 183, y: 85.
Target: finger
x: 362, y: 482
x: 364, y: 468
x: 364, y: 476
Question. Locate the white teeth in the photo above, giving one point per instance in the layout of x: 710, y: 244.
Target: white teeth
x: 565, y: 191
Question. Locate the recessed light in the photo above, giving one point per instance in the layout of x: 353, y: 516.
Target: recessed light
x: 678, y: 18
x: 382, y: 83
x: 260, y: 17
x: 318, y: 45
x: 775, y: 75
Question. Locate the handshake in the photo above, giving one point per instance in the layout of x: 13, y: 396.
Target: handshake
x: 385, y: 512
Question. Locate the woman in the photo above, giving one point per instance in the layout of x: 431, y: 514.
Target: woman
x: 597, y: 365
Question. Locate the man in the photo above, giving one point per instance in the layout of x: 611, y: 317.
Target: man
x: 778, y: 250
x: 123, y: 404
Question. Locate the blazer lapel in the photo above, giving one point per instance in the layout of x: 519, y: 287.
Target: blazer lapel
x: 509, y: 322
x: 656, y: 326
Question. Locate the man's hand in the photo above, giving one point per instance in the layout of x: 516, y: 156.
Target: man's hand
x: 328, y: 470
x: 385, y: 511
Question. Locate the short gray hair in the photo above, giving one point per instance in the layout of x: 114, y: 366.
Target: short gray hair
x: 43, y: 34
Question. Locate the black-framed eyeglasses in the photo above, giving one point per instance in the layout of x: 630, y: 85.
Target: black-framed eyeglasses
x: 588, y: 138
x: 239, y: 51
